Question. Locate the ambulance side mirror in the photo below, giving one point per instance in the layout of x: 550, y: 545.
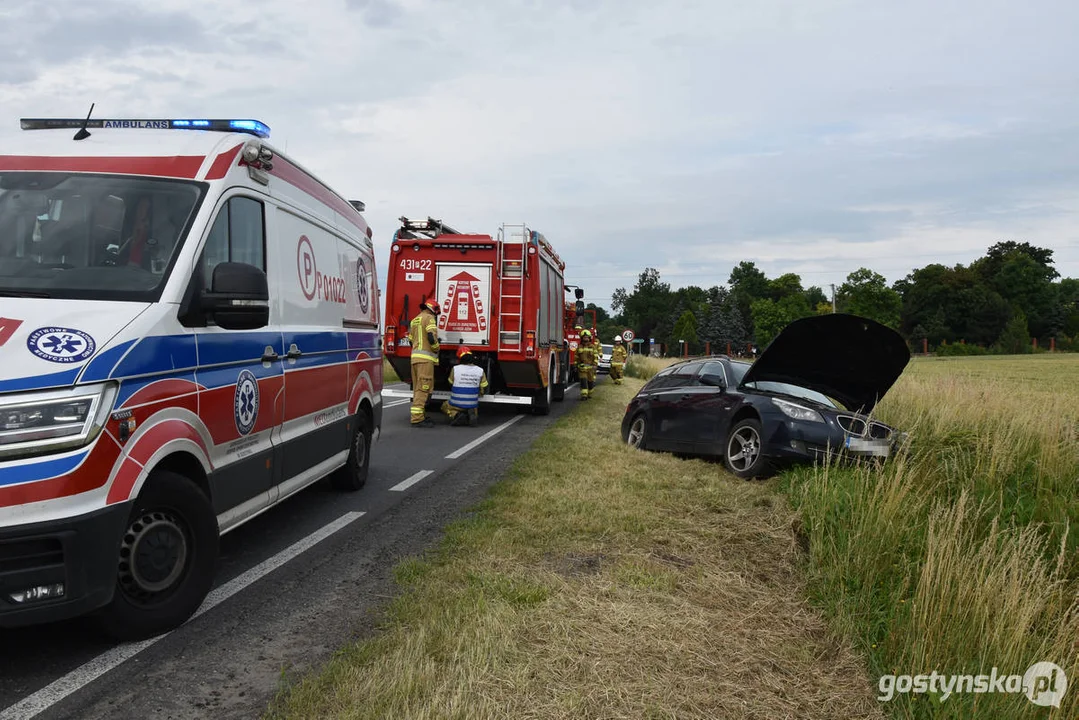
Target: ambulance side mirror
x: 238, y: 298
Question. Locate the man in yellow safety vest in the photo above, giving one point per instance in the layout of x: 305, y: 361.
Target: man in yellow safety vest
x: 618, y: 360
x: 587, y: 360
x: 423, y: 334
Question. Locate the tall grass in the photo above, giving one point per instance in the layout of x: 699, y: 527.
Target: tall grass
x: 960, y: 555
x: 645, y: 368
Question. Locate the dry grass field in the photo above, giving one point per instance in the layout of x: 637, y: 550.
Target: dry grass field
x: 597, y: 581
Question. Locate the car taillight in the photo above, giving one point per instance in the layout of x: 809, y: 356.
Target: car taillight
x: 391, y: 339
x: 530, y: 348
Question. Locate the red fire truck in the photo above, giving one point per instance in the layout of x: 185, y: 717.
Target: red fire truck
x: 501, y: 296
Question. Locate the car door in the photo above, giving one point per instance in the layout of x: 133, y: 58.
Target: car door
x: 705, y: 407
x: 670, y: 426
x: 239, y: 371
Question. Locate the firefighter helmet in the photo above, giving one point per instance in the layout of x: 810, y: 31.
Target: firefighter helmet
x: 431, y: 305
x: 586, y: 334
x: 463, y: 351
x: 618, y: 338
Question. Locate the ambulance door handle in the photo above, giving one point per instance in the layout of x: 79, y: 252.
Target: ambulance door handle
x: 293, y: 352
x: 269, y: 354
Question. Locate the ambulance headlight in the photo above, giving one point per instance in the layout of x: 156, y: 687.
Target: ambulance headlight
x: 32, y: 423
x: 251, y: 152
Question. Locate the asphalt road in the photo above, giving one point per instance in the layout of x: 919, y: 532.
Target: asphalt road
x: 293, y: 585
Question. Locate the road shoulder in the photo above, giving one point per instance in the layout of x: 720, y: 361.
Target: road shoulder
x: 595, y: 580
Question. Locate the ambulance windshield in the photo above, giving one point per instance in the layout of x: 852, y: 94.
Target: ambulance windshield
x: 95, y: 237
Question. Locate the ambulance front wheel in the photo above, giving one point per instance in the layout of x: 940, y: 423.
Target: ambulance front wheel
x: 166, y: 562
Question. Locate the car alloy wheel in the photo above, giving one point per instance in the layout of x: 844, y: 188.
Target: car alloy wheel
x: 637, y: 430
x: 743, y: 448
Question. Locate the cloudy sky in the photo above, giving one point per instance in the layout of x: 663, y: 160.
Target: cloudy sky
x: 812, y: 137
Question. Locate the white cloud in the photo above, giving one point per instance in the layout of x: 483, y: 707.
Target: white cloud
x: 809, y: 137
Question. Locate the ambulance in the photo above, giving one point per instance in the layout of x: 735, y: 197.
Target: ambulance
x: 188, y: 336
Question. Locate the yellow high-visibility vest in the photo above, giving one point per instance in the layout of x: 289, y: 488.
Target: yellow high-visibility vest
x: 422, y: 350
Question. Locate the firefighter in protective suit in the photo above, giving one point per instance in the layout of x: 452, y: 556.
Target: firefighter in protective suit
x: 618, y: 360
x: 468, y: 382
x: 423, y: 334
x: 587, y: 360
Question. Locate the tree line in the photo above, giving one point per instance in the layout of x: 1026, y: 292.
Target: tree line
x: 1000, y: 303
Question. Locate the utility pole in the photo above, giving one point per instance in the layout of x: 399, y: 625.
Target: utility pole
x: 833, y: 297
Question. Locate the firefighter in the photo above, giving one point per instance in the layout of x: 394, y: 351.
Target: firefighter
x: 468, y: 383
x: 618, y: 360
x: 586, y: 364
x: 423, y: 333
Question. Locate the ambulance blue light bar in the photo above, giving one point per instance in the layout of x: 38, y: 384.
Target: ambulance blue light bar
x: 251, y: 127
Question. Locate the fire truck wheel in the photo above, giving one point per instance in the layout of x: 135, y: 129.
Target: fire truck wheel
x: 353, y: 475
x: 166, y: 559
x: 559, y: 394
x: 541, y: 400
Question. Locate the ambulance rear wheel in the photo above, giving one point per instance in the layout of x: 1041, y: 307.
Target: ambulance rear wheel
x: 353, y: 475
x: 166, y: 561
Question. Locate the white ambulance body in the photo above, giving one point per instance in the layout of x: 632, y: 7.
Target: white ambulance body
x: 188, y: 336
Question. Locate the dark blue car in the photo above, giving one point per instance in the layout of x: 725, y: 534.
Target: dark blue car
x: 808, y: 395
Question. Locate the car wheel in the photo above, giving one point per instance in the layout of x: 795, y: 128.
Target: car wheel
x: 745, y: 451
x: 353, y: 475
x: 167, y: 559
x: 637, y: 435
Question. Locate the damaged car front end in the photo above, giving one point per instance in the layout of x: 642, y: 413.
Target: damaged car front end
x: 810, y: 396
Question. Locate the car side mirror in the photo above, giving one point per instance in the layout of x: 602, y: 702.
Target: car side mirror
x: 238, y: 298
x: 713, y: 381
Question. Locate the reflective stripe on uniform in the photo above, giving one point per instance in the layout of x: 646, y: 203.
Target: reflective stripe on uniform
x: 422, y: 349
x: 467, y: 381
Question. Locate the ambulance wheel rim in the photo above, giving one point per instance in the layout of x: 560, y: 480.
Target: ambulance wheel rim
x: 153, y: 555
x: 359, y: 448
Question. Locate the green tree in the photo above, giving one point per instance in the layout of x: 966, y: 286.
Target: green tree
x: 770, y: 316
x: 786, y: 285
x: 647, y: 306
x: 722, y: 324
x: 748, y: 284
x: 815, y: 297
x: 1015, y: 338
x: 685, y: 329
x: 867, y: 294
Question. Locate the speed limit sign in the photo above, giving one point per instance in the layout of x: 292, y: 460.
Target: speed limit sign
x: 628, y: 336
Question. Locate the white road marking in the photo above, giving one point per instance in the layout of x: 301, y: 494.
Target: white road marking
x: 395, y: 404
x: 483, y: 438
x: 75, y: 680
x: 406, y: 484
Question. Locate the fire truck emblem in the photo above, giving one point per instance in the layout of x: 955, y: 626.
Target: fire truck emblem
x: 462, y: 309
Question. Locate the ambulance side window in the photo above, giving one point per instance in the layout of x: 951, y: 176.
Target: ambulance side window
x: 238, y: 235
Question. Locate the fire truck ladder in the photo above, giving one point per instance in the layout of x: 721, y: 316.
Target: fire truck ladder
x: 427, y: 229
x: 512, y: 263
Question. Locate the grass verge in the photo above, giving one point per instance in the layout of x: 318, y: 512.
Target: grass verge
x: 961, y: 556
x: 389, y: 375
x: 596, y: 581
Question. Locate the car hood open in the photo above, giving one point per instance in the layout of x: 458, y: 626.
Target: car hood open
x: 849, y: 358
